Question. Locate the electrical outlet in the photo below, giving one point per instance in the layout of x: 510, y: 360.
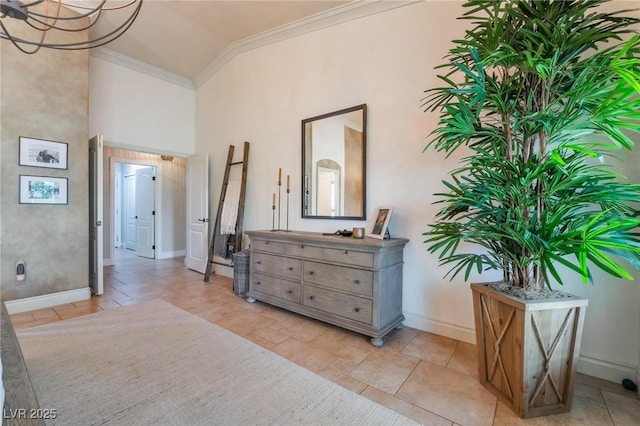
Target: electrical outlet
x: 21, y: 272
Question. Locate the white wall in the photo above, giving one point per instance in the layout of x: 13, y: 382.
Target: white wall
x: 136, y: 111
x: 386, y: 61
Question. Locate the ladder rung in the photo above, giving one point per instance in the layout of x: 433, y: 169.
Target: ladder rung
x: 237, y: 162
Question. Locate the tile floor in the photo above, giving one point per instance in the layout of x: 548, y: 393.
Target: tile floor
x: 429, y: 378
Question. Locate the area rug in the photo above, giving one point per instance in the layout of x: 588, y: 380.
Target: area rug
x: 154, y: 363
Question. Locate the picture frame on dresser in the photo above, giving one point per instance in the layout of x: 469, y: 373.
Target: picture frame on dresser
x: 379, y: 222
x: 43, y: 153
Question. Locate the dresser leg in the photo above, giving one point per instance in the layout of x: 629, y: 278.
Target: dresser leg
x: 376, y: 341
x: 251, y: 299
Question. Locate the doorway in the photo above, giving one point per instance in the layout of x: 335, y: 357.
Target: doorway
x: 169, y: 231
x: 135, y: 211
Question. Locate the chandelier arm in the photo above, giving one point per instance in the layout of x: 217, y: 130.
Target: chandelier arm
x: 15, y: 41
x: 122, y: 6
x: 70, y: 18
x: 33, y: 3
x: 94, y: 43
x: 53, y: 26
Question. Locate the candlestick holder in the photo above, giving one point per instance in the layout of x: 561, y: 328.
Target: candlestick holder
x: 288, y: 209
x: 273, y: 218
x: 279, y: 211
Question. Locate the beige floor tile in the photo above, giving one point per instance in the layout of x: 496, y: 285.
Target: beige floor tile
x: 305, y: 331
x: 345, y: 344
x: 45, y: 314
x: 397, y: 339
x: 35, y: 323
x: 605, y: 385
x: 624, y: 411
x: 450, y: 394
x: 21, y: 318
x: 584, y: 412
x: 431, y: 347
x: 465, y: 359
x: 304, y: 354
x: 588, y: 392
x: 385, y: 370
x: 411, y: 411
x: 343, y: 365
x: 343, y: 380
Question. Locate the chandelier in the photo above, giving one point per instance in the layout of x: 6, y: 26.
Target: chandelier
x: 49, y: 19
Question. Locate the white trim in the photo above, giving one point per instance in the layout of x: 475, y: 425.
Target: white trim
x: 225, y: 271
x: 139, y: 66
x: 47, y: 300
x: 170, y: 254
x: 600, y: 368
x: 452, y: 331
x: 108, y: 261
x: 338, y: 15
x: 605, y: 369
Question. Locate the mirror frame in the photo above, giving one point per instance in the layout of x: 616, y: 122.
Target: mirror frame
x: 304, y: 194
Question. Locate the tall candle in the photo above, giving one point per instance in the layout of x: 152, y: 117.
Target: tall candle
x: 279, y: 176
x: 274, y: 200
x: 288, y: 182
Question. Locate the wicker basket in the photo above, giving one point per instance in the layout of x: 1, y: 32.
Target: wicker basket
x: 241, y: 273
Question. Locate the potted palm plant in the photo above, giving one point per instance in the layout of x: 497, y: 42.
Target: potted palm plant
x: 538, y: 95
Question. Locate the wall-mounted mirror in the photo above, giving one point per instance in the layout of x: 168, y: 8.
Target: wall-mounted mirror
x: 334, y: 164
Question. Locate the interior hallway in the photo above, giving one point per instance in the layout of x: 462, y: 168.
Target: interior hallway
x: 429, y: 378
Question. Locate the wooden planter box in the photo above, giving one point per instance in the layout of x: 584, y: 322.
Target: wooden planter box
x: 528, y: 350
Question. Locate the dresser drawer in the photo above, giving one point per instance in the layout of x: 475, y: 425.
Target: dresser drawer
x: 347, y: 257
x: 283, y: 289
x: 282, y: 266
x: 344, y: 305
x: 276, y: 247
x: 339, y: 277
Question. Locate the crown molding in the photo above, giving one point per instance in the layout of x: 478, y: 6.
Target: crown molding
x: 136, y: 65
x: 338, y: 15
x: 345, y: 13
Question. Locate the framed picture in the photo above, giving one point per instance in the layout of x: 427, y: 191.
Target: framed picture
x: 42, y: 153
x: 378, y: 223
x: 43, y: 190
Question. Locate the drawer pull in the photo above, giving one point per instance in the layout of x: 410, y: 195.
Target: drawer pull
x: 259, y: 262
x: 266, y: 242
x: 258, y: 283
x: 301, y: 247
x: 291, y: 268
x: 346, y: 252
x: 290, y: 291
x: 357, y: 281
x: 357, y: 309
x: 312, y: 273
x: 311, y: 298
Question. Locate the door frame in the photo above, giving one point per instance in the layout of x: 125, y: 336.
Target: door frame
x: 112, y: 210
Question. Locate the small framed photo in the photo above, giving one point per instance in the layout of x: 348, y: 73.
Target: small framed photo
x: 379, y: 221
x: 42, y: 153
x: 43, y: 190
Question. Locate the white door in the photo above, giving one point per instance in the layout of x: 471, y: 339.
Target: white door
x: 96, y: 260
x: 145, y: 212
x: 129, y: 199
x: 197, y: 213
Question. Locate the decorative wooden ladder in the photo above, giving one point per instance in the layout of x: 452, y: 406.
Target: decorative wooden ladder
x: 237, y: 238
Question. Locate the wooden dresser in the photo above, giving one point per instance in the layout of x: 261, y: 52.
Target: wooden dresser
x: 348, y: 282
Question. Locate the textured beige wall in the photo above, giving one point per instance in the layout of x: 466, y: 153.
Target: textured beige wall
x: 44, y: 96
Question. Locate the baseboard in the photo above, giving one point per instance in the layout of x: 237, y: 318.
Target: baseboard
x: 438, y: 327
x: 170, y: 254
x: 107, y: 261
x: 47, y: 300
x: 606, y: 370
x: 225, y: 271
